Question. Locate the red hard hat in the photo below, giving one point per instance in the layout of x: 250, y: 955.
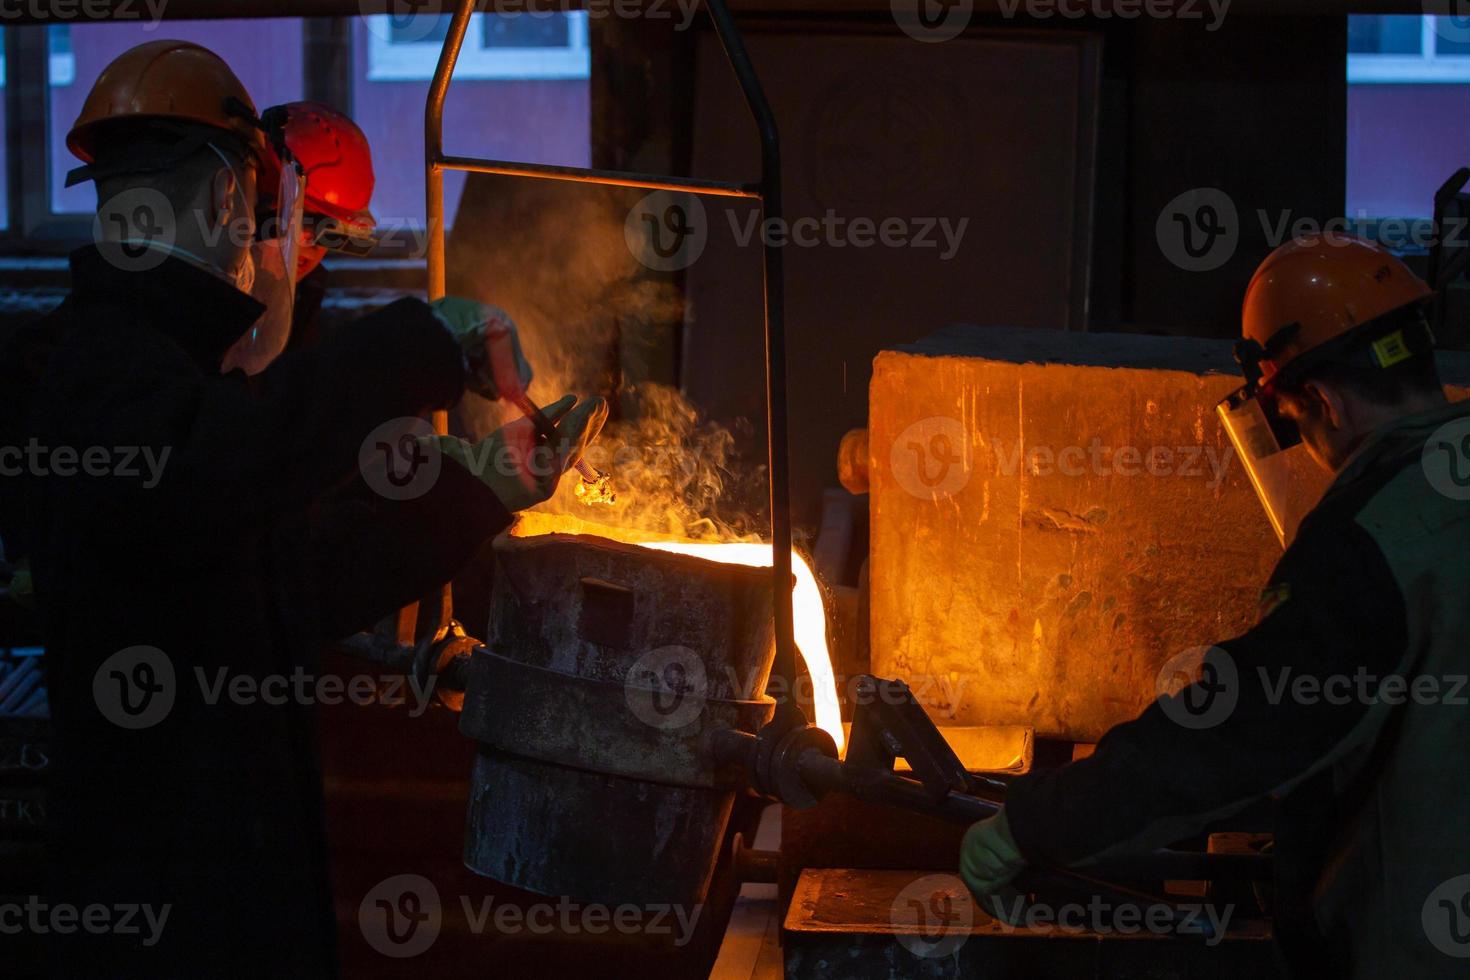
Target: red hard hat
x: 334, y: 156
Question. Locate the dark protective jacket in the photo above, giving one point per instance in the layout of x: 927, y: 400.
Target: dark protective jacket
x: 1348, y: 702
x: 255, y: 542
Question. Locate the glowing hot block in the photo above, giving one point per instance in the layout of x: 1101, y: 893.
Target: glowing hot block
x: 808, y: 612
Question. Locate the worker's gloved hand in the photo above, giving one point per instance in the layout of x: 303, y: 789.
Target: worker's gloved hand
x: 472, y: 323
x: 989, y: 857
x: 516, y: 465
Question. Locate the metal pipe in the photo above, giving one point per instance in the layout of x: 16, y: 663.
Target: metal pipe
x: 769, y: 194
x: 889, y: 788
x: 611, y: 178
x: 434, y: 258
x: 778, y: 448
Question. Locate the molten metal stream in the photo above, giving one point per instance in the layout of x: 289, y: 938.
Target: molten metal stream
x: 806, y: 599
x: 809, y: 613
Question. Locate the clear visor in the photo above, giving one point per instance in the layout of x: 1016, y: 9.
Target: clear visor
x: 273, y: 258
x: 1286, y: 478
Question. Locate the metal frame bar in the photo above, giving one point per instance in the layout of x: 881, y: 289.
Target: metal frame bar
x: 767, y: 191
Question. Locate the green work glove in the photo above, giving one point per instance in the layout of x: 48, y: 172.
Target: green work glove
x: 989, y: 857
x: 520, y: 469
x: 470, y: 322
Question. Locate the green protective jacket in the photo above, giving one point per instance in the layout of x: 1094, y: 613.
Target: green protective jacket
x: 1348, y: 702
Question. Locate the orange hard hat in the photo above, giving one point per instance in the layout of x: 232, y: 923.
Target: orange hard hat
x: 335, y: 158
x: 168, y: 81
x: 1318, y: 288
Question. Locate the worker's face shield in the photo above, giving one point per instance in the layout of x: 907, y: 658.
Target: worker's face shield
x: 1287, y: 478
x: 273, y: 257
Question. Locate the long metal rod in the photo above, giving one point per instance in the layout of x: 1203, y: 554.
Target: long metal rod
x: 778, y: 448
x: 611, y: 178
x: 891, y: 789
x: 434, y: 259
x: 769, y: 194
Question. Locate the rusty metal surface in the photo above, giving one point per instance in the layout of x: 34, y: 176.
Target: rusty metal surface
x: 882, y: 924
x: 570, y: 720
x: 1054, y: 516
x: 577, y: 693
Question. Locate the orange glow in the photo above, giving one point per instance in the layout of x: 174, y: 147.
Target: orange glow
x: 808, y: 611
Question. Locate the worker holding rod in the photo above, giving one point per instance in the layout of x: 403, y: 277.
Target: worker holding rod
x: 1367, y: 606
x: 259, y: 539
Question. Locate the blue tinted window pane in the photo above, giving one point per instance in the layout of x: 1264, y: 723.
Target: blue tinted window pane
x: 527, y: 30
x: 1384, y: 34
x: 1452, y: 35
x: 411, y: 29
x: 533, y: 120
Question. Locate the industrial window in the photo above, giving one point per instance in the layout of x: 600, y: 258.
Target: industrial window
x: 520, y: 92
x: 533, y: 44
x: 1384, y: 48
x: 1408, y: 88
